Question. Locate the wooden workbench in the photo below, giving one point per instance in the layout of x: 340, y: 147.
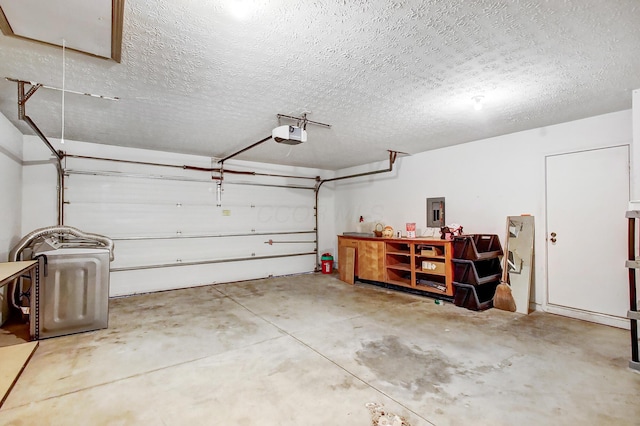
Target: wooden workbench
x: 418, y: 263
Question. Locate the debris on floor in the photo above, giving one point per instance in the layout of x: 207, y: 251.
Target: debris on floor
x: 381, y: 417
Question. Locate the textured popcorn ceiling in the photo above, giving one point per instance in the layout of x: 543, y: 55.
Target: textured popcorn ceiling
x: 385, y: 74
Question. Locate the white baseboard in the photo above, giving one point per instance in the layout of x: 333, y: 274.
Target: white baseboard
x: 609, y: 320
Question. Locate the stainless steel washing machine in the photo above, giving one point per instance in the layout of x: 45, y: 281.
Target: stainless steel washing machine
x: 73, y: 293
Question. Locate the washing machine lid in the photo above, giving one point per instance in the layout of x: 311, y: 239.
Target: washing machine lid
x: 63, y: 251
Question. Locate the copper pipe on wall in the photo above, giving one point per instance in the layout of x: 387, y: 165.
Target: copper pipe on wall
x: 392, y: 159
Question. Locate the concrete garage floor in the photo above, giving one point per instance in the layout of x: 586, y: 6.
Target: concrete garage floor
x: 311, y: 350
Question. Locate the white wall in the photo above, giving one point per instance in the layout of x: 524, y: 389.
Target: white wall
x: 123, y: 207
x: 11, y: 187
x: 10, y: 194
x: 483, y: 181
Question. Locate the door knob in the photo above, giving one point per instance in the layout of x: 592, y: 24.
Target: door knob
x: 553, y: 237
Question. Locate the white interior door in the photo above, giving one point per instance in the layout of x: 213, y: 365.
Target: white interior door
x: 587, y: 196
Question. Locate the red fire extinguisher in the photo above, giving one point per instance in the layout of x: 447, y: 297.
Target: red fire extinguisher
x: 327, y: 263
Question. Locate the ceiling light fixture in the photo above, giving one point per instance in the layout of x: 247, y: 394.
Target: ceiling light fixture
x: 240, y: 9
x: 477, y: 102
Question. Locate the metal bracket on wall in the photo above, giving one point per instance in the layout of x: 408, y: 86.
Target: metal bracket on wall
x: 23, y: 97
x: 303, y: 120
x: 22, y: 115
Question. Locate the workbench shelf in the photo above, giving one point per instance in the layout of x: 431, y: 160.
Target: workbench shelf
x: 427, y: 284
x: 427, y: 261
x: 400, y: 267
x: 397, y: 248
x: 413, y: 263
